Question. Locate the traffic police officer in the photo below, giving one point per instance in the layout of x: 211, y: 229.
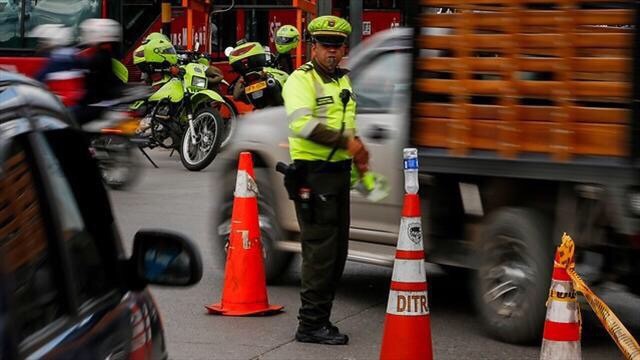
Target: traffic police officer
x: 321, y: 115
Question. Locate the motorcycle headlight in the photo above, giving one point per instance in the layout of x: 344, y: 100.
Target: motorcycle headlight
x: 199, y: 82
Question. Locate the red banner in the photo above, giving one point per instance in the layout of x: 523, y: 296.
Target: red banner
x: 179, y: 29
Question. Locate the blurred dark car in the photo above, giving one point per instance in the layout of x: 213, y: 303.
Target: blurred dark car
x: 66, y: 288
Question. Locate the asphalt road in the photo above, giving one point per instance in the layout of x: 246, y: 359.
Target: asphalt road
x: 172, y: 198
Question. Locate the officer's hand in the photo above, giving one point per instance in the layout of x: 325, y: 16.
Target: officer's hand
x: 354, y: 146
x: 360, y: 155
x: 361, y: 160
x: 176, y: 71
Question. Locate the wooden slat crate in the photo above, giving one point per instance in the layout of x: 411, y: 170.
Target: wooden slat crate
x: 516, y: 76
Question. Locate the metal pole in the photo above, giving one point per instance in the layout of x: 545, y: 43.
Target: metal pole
x: 189, y: 28
x: 166, y: 17
x: 324, y: 7
x: 299, y: 15
x: 355, y: 17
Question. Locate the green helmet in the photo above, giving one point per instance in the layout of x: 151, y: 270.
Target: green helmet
x: 203, y: 60
x: 247, y: 55
x: 155, y: 35
x: 287, y: 38
x: 329, y: 30
x: 160, y: 51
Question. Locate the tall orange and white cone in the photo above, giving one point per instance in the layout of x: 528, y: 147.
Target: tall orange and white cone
x: 245, y: 289
x: 407, y: 325
x: 561, y: 336
x: 141, y: 347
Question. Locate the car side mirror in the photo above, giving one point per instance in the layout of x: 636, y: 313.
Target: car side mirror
x: 165, y: 258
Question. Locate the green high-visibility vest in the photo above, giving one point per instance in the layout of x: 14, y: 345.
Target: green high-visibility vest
x: 311, y: 99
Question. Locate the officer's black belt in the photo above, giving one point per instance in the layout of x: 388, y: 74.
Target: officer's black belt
x: 321, y: 166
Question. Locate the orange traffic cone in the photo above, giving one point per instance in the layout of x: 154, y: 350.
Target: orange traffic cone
x: 561, y: 336
x: 407, y: 325
x: 245, y: 289
x: 141, y: 336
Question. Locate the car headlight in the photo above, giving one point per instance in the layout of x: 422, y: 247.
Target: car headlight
x: 199, y: 82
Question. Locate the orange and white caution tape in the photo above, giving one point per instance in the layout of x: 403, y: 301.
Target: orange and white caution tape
x: 621, y: 336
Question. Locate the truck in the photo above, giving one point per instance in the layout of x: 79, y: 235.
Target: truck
x: 525, y: 117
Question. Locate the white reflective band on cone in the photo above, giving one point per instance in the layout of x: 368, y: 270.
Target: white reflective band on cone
x: 139, y: 328
x: 561, y: 286
x: 410, y: 234
x: 136, y: 315
x: 138, y: 341
x: 566, y: 350
x: 408, y: 303
x: 411, y: 271
x: 245, y: 186
x: 562, y: 312
x: 562, y: 306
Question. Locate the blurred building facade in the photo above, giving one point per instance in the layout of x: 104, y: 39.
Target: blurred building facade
x: 257, y: 20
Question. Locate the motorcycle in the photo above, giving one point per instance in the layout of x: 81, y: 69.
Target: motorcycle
x: 110, y: 133
x: 261, y: 84
x: 113, y: 142
x: 183, y: 115
x: 227, y: 108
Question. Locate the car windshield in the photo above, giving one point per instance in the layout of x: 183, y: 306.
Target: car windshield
x: 388, y: 74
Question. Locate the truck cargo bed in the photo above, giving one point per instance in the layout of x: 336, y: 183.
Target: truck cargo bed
x: 518, y: 78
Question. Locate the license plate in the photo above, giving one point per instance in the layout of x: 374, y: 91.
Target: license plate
x: 255, y: 87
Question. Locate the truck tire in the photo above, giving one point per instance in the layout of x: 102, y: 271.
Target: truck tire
x: 514, y: 273
x: 275, y: 261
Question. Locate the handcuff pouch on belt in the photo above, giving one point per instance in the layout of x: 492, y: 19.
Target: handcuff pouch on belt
x: 293, y: 178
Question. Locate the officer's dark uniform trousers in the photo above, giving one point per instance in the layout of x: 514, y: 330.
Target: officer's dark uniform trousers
x: 324, y: 236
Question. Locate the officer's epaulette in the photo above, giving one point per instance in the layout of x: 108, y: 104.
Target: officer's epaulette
x: 306, y: 67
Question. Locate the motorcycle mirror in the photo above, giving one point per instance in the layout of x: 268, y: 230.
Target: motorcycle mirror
x: 228, y: 51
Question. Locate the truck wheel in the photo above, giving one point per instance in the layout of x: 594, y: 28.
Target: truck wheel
x: 514, y: 273
x: 275, y: 261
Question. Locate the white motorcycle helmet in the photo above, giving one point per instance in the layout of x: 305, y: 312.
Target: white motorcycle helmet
x: 52, y: 35
x: 98, y: 31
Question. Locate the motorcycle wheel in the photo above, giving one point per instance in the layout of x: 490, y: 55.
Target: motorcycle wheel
x: 208, y: 127
x: 229, y: 119
x: 119, y: 166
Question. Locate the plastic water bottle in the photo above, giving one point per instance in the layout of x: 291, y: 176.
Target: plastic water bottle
x: 411, y: 184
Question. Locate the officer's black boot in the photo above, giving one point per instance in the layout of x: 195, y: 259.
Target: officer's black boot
x: 327, y: 335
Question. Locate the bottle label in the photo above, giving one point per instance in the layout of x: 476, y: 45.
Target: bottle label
x: 411, y: 164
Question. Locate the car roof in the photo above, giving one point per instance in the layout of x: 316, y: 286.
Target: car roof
x: 400, y: 38
x: 22, y: 97
x: 25, y: 106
